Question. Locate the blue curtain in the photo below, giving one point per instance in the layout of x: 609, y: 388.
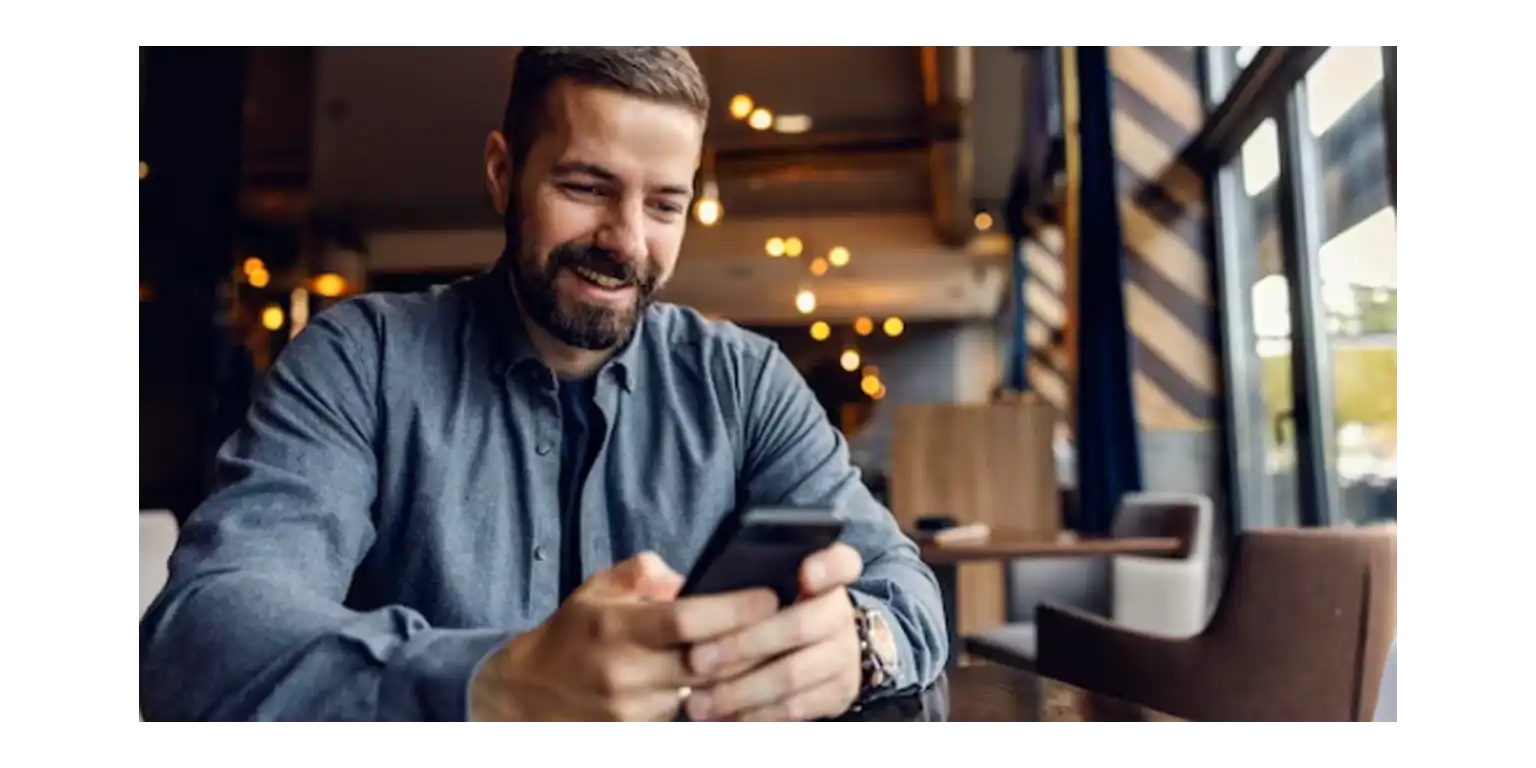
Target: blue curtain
x: 1108, y: 446
x: 1017, y: 373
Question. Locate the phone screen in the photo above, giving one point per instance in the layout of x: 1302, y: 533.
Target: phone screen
x: 763, y: 549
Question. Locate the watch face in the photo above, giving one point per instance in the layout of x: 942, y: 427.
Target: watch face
x: 882, y: 641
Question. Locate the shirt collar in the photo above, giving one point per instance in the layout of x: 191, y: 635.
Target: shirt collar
x: 514, y: 349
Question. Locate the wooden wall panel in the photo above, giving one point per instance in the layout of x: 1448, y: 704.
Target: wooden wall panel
x: 986, y: 463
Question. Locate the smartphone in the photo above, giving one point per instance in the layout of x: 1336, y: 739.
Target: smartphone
x: 762, y: 548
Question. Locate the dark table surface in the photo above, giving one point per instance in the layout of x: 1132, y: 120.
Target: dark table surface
x: 996, y: 693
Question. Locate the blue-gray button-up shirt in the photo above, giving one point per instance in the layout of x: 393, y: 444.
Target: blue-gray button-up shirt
x: 390, y: 512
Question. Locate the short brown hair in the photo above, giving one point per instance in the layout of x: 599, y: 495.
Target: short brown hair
x: 664, y: 73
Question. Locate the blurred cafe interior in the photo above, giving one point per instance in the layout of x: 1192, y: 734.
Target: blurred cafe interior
x: 1111, y: 331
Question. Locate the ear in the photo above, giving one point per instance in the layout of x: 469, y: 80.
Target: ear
x: 498, y: 171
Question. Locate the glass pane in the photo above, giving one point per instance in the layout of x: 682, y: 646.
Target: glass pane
x: 1358, y: 264
x: 1235, y: 59
x: 1268, y: 307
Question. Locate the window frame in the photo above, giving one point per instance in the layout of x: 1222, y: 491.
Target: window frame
x: 1273, y: 86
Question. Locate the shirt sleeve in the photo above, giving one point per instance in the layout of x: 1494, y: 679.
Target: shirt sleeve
x: 251, y: 623
x: 795, y: 457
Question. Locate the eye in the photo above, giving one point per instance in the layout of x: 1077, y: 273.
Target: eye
x: 667, y: 206
x: 582, y: 190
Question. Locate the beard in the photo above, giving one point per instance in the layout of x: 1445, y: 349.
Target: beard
x: 569, y: 319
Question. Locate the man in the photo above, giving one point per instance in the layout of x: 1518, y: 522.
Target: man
x: 475, y: 502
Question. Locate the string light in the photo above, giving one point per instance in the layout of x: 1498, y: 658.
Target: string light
x: 805, y: 301
x: 839, y: 256
x: 849, y: 360
x: 870, y: 384
x: 272, y: 317
x: 894, y: 326
x: 741, y: 106
x: 760, y: 119
x: 820, y: 330
x: 793, y: 247
x: 819, y: 266
x: 329, y: 285
x: 863, y: 326
x: 774, y: 247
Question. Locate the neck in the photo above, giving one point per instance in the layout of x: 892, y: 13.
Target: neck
x: 566, y: 361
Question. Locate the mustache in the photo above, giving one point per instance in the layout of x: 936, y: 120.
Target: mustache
x: 599, y: 260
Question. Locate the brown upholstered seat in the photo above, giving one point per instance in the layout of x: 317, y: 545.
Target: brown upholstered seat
x: 1301, y: 634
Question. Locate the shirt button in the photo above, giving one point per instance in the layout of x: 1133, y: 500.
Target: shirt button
x: 544, y: 448
x: 540, y: 553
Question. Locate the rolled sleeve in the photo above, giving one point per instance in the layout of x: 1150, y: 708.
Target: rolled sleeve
x: 795, y: 457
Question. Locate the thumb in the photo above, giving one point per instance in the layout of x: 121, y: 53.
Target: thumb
x: 645, y: 575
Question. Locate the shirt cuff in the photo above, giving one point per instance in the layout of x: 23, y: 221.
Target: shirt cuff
x: 429, y: 679
x: 906, y: 672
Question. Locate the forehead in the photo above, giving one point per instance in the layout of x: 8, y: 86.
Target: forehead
x: 631, y: 136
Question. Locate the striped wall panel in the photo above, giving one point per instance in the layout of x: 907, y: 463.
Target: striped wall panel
x: 1170, y: 299
x: 1044, y: 294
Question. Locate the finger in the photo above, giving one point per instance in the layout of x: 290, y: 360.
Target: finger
x: 645, y: 575
x: 802, y: 624
x: 628, y: 670
x: 836, y: 566
x: 775, y: 682
x: 648, y: 706
x: 829, y: 699
x: 696, y: 619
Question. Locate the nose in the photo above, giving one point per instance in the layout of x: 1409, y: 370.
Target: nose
x: 623, y: 233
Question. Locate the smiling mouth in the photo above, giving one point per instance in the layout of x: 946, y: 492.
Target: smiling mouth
x: 599, y: 279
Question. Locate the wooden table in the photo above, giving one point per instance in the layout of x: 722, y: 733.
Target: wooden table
x: 996, y: 693
x: 945, y: 559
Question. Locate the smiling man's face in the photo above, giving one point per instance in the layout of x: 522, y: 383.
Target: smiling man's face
x: 596, y: 217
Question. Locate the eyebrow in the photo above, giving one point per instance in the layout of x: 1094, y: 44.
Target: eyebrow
x: 598, y: 172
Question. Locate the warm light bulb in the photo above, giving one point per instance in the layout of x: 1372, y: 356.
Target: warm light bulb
x: 250, y: 265
x: 983, y: 221
x: 863, y: 326
x: 259, y: 277
x: 820, y: 331
x: 793, y: 247
x: 805, y: 301
x: 760, y: 119
x: 819, y: 266
x: 870, y: 384
x: 792, y: 123
x: 850, y: 360
x: 272, y: 317
x: 894, y: 326
x: 741, y: 106
x: 774, y: 247
x: 329, y: 285
x: 839, y: 256
x: 143, y: 170
x: 708, y: 211
x: 879, y: 394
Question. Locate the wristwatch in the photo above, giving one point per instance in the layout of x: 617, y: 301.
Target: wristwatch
x: 879, y: 662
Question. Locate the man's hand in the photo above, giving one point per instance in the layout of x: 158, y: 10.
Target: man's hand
x: 801, y: 663
x: 613, y: 651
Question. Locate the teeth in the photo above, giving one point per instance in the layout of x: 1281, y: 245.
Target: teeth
x: 600, y: 279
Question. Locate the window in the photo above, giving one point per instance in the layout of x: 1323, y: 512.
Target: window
x: 1307, y: 225
x: 1233, y: 60
x: 1262, y: 295
x: 1357, y: 264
